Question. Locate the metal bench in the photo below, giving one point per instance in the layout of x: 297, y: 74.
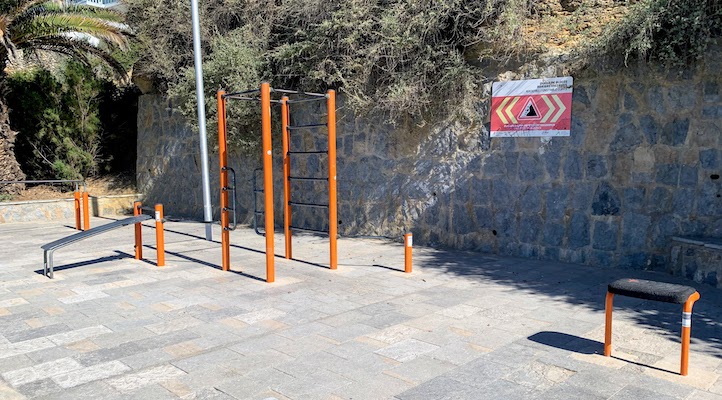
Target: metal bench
x: 49, y: 248
x: 656, y: 291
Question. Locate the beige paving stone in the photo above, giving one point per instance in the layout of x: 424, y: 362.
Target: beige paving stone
x: 178, y: 388
x: 184, y: 349
x: 79, y: 298
x: 41, y: 371
x: 83, y: 346
x: 54, y: 310
x: 406, y: 350
x: 173, y: 325
x: 8, y: 393
x: 460, y: 311
x: 18, y: 301
x: 34, y: 322
x: 394, y: 334
x: 124, y: 305
x: 260, y: 315
x: 89, y: 374
x: 617, y: 361
x: 698, y: 376
x: 159, y: 374
x: 234, y: 323
x: 4, y: 312
x: 161, y: 307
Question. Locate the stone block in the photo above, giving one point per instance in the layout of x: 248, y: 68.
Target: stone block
x: 578, y: 230
x: 659, y: 200
x: 531, y: 200
x: 662, y: 232
x: 655, y: 100
x: 688, y: 176
x: 596, y: 166
x: 530, y: 167
x: 553, y: 234
x: 675, y: 132
x: 630, y: 104
x: 650, y: 128
x: 573, y: 166
x: 582, y: 193
x: 683, y: 201
x: 577, y: 132
x: 580, y: 95
x: 552, y: 162
x: 483, y: 217
x: 530, y: 226
x: 606, y: 200
x: 605, y: 235
x: 635, y: 230
x: 505, y: 224
x: 667, y: 174
x: 463, y: 219
x: 627, y: 135
x: 709, y: 158
x: 634, y: 198
x: 557, y: 200
x: 511, y: 161
x: 598, y: 258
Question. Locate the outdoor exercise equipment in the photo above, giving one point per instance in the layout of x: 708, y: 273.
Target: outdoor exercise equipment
x: 137, y: 218
x: 656, y: 291
x: 285, y: 102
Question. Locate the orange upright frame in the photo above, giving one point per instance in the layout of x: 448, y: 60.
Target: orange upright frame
x: 332, y: 198
x: 285, y: 121
x: 223, y: 158
x: 268, y: 178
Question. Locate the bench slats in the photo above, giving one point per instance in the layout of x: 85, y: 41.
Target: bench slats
x: 650, y: 290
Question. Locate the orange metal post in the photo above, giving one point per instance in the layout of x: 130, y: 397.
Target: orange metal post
x: 686, y: 332
x: 285, y: 120
x: 332, y: 210
x: 76, y: 203
x: 223, y: 157
x: 138, y: 232
x: 86, y: 212
x: 159, y: 234
x: 268, y: 178
x: 608, y: 325
x: 408, y: 245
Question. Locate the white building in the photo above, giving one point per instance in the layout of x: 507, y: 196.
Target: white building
x: 112, y: 4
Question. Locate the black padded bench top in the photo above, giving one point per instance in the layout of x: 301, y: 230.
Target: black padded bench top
x: 651, y: 290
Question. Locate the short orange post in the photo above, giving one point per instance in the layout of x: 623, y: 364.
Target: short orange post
x: 86, y: 212
x: 159, y: 234
x: 285, y: 120
x: 332, y: 198
x: 138, y: 232
x: 608, y: 325
x: 223, y: 156
x: 76, y: 205
x: 686, y: 331
x: 408, y: 246
x: 267, y: 178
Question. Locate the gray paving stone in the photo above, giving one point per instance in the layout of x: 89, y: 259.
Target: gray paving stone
x: 565, y: 392
x: 406, y: 350
x: 637, y: 393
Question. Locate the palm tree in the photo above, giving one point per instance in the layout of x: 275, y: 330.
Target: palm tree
x: 36, y: 26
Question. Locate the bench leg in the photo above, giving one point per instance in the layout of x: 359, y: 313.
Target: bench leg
x: 608, y: 325
x: 686, y: 332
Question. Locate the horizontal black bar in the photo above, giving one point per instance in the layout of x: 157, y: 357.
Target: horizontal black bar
x: 259, y: 212
x: 306, y: 126
x: 298, y: 92
x: 298, y: 228
x: 258, y: 191
x: 306, y: 100
x: 309, y: 152
x: 295, y: 203
x: 43, y: 181
x: 305, y: 178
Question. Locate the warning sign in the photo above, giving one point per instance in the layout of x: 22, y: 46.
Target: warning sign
x: 534, y: 107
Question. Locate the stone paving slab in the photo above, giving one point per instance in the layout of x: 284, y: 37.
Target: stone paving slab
x: 461, y: 326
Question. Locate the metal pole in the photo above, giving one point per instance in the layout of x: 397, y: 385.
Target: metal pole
x: 207, y: 209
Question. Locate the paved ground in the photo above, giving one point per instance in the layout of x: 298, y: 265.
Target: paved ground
x: 462, y: 326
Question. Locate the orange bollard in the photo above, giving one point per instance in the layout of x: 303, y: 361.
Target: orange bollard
x: 223, y: 156
x: 76, y: 204
x: 86, y: 212
x: 267, y: 178
x: 687, y: 331
x: 408, y: 246
x: 286, y: 173
x: 159, y: 234
x: 138, y: 232
x: 608, y: 325
x: 332, y: 198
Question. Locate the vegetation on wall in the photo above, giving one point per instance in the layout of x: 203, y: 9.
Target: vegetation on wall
x: 399, y: 58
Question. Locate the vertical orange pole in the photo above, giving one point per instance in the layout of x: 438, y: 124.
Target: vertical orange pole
x: 159, y: 235
x: 223, y: 165
x: 86, y: 212
x: 138, y: 232
x: 268, y: 178
x: 332, y: 198
x: 408, y: 246
x: 608, y: 325
x: 76, y: 204
x: 686, y: 332
x: 285, y: 121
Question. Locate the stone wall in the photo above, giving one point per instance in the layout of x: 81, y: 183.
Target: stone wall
x: 64, y: 209
x: 642, y: 165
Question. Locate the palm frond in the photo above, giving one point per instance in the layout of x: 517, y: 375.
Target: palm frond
x: 77, y: 49
x: 44, y: 26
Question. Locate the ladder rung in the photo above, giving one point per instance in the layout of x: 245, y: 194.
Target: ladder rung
x: 309, y: 152
x: 258, y: 191
x: 294, y: 203
x: 303, y: 178
x: 297, y: 228
x: 259, y: 212
x: 309, y: 126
